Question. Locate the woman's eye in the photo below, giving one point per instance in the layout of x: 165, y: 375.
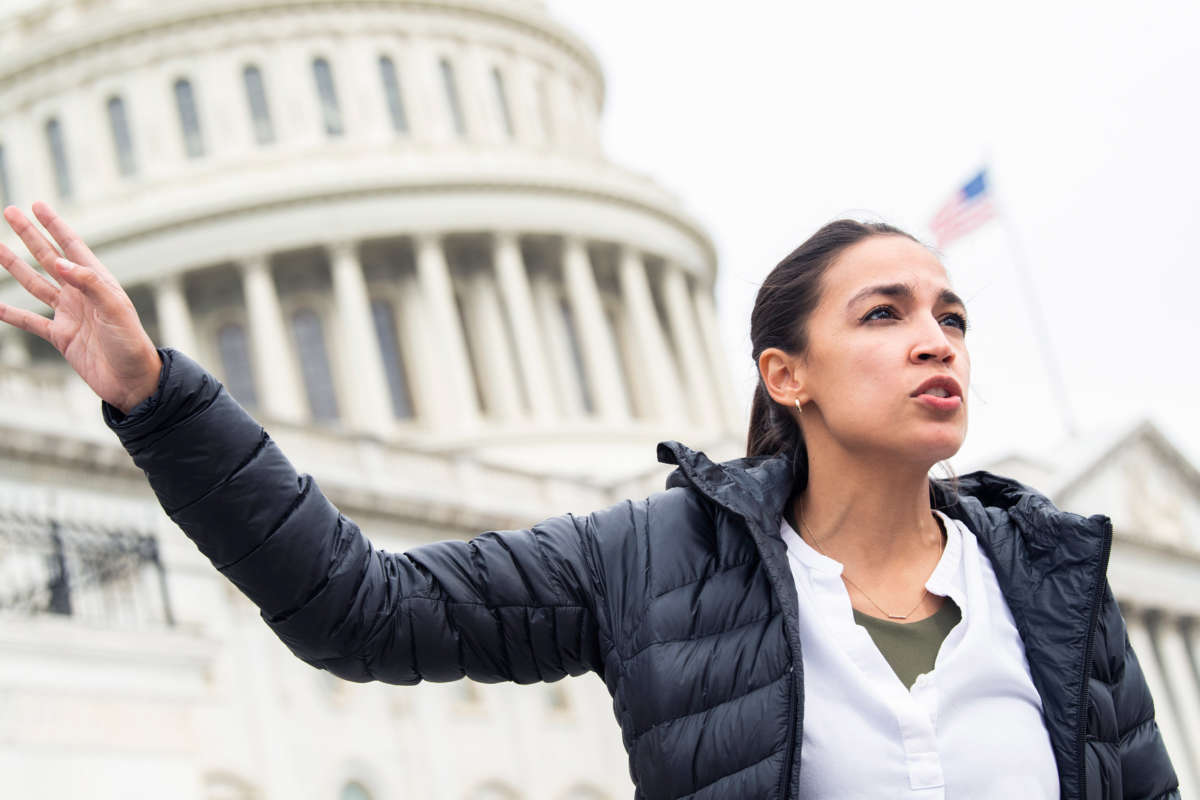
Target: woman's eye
x: 880, y: 312
x: 955, y: 321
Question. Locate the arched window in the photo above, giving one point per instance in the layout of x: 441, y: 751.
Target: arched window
x: 391, y: 91
x: 314, y: 365
x: 330, y: 112
x: 354, y: 791
x: 452, y: 102
x: 256, y: 97
x: 233, y: 348
x: 393, y: 361
x: 118, y: 123
x: 577, y: 365
x: 189, y: 120
x: 502, y: 101
x: 58, y: 155
x: 5, y: 191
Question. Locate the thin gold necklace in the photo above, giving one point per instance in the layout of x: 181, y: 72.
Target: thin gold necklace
x: 860, y: 589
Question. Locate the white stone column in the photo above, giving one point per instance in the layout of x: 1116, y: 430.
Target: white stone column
x: 1166, y: 716
x: 454, y: 399
x: 657, y: 381
x: 174, y: 317
x: 497, y: 369
x: 513, y: 280
x: 734, y: 417
x: 1178, y: 670
x: 591, y: 325
x: 693, y: 360
x: 281, y: 394
x: 368, y: 398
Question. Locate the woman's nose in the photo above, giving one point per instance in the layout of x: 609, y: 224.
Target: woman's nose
x: 933, y: 345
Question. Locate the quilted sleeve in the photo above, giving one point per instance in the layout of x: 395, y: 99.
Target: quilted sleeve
x: 514, y: 605
x: 1146, y: 771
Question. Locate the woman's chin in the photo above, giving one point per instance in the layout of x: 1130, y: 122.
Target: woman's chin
x: 938, y: 445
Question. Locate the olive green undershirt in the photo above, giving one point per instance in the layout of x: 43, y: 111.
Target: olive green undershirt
x: 911, y: 647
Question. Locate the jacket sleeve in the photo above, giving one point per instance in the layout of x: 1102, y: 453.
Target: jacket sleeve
x: 1146, y: 771
x: 516, y: 605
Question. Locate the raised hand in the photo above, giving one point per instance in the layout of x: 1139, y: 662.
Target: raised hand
x: 94, y: 325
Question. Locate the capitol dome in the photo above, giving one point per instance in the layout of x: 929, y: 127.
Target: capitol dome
x: 383, y: 218
x: 389, y: 228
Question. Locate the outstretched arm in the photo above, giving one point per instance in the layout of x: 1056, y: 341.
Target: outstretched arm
x: 517, y: 605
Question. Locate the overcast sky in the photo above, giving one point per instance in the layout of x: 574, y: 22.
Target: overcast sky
x: 770, y: 119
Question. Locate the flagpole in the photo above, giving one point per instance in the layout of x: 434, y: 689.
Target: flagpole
x: 1041, y: 329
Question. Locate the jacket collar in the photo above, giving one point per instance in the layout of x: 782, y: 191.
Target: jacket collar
x: 1050, y: 566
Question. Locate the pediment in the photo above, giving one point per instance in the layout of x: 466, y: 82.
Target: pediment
x: 1147, y: 487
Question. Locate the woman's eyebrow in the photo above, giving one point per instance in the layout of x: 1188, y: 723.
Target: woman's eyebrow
x: 905, y: 291
x: 949, y: 298
x: 886, y: 289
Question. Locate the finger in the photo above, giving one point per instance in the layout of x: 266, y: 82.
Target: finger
x: 25, y: 320
x: 72, y: 246
x: 28, y: 277
x: 93, y: 284
x: 37, y: 244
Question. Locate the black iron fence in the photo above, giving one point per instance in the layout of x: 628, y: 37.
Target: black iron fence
x: 88, y: 571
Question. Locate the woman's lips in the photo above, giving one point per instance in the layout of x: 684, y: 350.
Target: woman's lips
x: 951, y: 403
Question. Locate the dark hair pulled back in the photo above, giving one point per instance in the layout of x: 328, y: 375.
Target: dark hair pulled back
x: 782, y: 308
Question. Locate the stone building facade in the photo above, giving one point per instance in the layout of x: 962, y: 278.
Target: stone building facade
x: 389, y: 228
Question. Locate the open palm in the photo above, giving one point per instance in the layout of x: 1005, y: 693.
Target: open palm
x: 94, y: 324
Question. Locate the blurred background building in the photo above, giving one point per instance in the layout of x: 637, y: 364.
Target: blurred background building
x: 390, y: 229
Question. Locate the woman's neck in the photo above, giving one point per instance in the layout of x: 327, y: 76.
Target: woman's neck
x: 871, y: 514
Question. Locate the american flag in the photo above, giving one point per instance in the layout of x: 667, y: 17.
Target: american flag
x: 966, y: 210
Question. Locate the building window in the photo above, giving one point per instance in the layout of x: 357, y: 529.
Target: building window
x: 256, y: 97
x: 314, y: 365
x: 233, y: 347
x: 58, y: 155
x: 464, y: 324
x: 576, y: 351
x: 452, y: 102
x: 5, y: 191
x: 391, y: 90
x: 502, y: 101
x: 330, y: 112
x: 119, y: 124
x: 393, y: 361
x: 189, y: 120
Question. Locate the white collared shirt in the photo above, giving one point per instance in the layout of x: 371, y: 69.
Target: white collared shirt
x: 971, y: 728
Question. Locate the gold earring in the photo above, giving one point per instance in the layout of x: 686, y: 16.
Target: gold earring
x: 799, y: 410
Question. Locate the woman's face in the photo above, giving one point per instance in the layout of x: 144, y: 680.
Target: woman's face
x: 886, y: 368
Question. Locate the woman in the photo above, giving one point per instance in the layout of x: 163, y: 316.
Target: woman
x: 762, y: 624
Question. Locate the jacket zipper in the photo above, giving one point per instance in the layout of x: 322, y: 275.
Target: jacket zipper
x: 785, y: 779
x: 1097, y: 599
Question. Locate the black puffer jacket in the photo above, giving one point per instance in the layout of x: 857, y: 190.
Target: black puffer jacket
x: 682, y: 603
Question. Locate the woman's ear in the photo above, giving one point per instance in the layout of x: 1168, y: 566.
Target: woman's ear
x: 783, y: 375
